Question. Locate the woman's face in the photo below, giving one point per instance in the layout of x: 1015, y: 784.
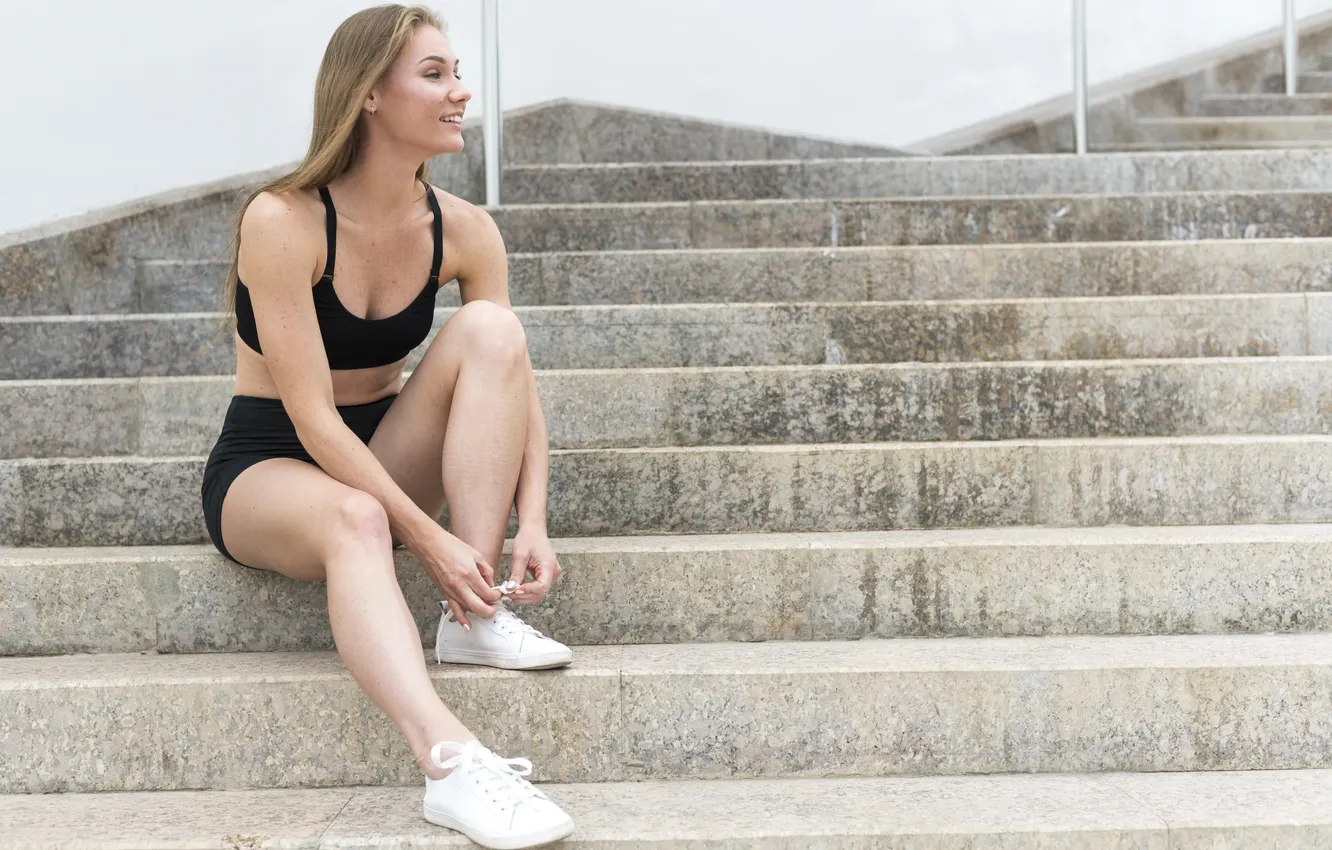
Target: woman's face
x: 420, y: 100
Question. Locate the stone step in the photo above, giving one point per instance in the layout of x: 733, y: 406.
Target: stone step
x: 1131, y: 147
x: 806, y: 274
x: 1244, y: 129
x: 673, y: 336
x: 156, y: 417
x: 96, y: 259
x: 710, y: 588
x: 1286, y: 808
x: 1265, y: 104
x: 130, y: 501
x: 915, y: 221
x: 700, y: 711
x: 1309, y: 82
x: 908, y: 177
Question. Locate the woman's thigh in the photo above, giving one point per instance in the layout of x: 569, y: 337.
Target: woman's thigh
x: 282, y: 513
x: 409, y: 441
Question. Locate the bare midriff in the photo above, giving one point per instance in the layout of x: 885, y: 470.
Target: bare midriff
x: 350, y: 386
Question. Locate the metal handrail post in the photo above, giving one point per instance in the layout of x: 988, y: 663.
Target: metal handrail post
x: 493, y: 125
x: 1292, y: 47
x: 1080, y: 74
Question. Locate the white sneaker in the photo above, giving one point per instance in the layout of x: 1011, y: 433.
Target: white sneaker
x: 487, y: 800
x: 502, y: 641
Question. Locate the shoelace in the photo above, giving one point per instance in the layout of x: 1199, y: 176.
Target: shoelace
x: 504, y: 618
x: 498, y: 781
x: 511, y: 622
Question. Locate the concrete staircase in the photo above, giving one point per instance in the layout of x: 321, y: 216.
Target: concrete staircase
x: 934, y: 503
x: 1266, y: 118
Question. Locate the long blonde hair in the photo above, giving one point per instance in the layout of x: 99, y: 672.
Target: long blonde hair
x: 361, y: 50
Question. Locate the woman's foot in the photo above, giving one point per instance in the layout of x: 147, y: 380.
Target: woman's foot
x: 489, y: 801
x: 500, y: 641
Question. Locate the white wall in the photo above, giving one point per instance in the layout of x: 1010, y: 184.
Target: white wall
x: 109, y: 100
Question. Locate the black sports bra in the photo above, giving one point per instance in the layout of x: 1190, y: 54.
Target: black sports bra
x: 351, y: 342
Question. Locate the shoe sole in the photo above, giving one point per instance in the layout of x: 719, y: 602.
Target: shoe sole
x: 540, y: 662
x: 536, y: 839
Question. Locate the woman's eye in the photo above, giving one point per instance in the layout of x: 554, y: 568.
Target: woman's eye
x: 433, y: 75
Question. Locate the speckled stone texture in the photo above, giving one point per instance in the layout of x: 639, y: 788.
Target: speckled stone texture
x: 109, y: 262
x: 1124, y: 811
x: 1222, y: 105
x: 1319, y: 82
x: 867, y: 274
x: 704, y: 588
x: 915, y: 221
x: 726, y: 406
x: 572, y: 131
x: 832, y: 487
x: 686, y: 335
x: 1283, y: 128
x: 907, y: 707
x: 934, y: 177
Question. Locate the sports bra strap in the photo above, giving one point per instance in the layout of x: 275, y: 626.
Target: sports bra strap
x: 331, y: 232
x: 330, y: 229
x: 439, y: 235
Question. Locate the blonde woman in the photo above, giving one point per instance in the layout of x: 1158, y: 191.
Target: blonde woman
x: 326, y: 459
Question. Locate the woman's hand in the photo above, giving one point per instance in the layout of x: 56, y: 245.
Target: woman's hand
x: 533, y: 553
x: 461, y: 574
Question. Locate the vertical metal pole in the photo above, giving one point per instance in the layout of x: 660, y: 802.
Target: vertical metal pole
x: 1080, y: 74
x: 1292, y: 47
x: 493, y: 126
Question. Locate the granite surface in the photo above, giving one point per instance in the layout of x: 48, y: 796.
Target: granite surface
x: 831, y: 487
x: 705, y: 588
x: 567, y: 131
x: 886, y: 273
x: 1123, y: 811
x: 756, y: 405
x: 1265, y: 104
x: 908, y: 707
x: 1093, y: 174
x: 688, y: 335
x: 915, y: 221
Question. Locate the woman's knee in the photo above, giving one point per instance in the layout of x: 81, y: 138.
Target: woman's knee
x: 490, y: 331
x: 357, y: 519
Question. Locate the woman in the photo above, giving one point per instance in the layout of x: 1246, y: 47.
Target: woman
x: 326, y: 459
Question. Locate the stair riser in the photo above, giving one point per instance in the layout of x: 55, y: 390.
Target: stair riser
x: 1232, y: 130
x: 741, y: 335
x: 880, y: 178
x: 115, y: 502
x: 817, y: 275
x: 934, y: 221
x: 606, y: 724
x: 100, y: 266
x: 158, y: 417
x: 707, y: 591
x: 1319, y: 82
x: 1223, y: 106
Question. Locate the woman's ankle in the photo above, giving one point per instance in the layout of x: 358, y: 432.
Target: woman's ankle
x: 428, y: 766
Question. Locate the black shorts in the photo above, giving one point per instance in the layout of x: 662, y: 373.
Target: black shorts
x: 257, y: 429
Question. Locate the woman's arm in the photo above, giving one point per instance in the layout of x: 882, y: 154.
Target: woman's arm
x: 483, y: 273
x: 278, y: 252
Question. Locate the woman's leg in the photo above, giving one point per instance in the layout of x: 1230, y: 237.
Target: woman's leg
x: 456, y: 432
x: 291, y: 517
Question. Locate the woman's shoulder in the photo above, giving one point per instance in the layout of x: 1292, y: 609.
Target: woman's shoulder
x: 461, y: 217
x: 287, y: 213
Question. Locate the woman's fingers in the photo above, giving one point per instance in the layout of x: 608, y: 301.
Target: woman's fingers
x: 458, y: 611
x: 474, y: 603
